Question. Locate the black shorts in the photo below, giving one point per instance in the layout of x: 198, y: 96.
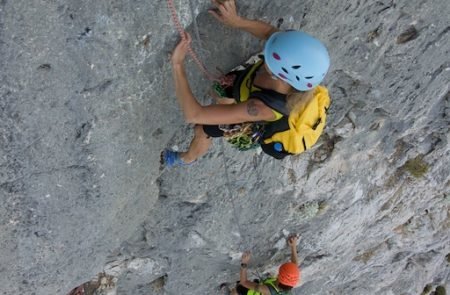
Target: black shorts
x: 213, y: 130
x: 241, y: 290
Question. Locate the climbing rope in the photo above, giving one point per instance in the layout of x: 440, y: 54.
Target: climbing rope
x: 223, y: 80
x: 244, y: 245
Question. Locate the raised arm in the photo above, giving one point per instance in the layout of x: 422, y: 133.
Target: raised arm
x: 292, y: 242
x: 243, y: 280
x: 226, y: 13
x: 250, y: 111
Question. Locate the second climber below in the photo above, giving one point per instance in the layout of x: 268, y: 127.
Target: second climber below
x: 288, y: 277
x: 284, y: 82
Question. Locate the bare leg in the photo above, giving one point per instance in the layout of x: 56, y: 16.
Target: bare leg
x: 234, y: 292
x: 199, y: 145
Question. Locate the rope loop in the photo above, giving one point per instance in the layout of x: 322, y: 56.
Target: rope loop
x: 223, y: 80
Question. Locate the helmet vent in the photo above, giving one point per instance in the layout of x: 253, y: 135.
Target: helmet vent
x: 310, y: 77
x: 296, y: 67
x: 284, y: 70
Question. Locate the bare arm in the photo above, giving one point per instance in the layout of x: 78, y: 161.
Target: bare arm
x: 226, y: 13
x: 257, y: 28
x: 243, y: 277
x: 292, y: 242
x: 250, y: 111
x: 186, y: 99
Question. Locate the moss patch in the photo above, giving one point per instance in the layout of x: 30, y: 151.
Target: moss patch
x: 157, y: 286
x: 426, y: 290
x: 365, y: 257
x: 323, y: 206
x: 440, y: 290
x: 417, y: 167
x: 292, y: 176
x: 308, y: 210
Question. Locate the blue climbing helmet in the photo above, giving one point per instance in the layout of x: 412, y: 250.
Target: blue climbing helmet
x: 297, y: 58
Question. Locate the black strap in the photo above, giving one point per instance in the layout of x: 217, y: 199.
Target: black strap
x: 241, y: 76
x: 272, y: 99
x: 274, y: 291
x: 270, y: 128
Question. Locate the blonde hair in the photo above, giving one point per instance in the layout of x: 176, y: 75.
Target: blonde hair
x: 298, y: 100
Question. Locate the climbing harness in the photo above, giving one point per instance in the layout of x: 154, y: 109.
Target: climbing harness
x: 223, y: 80
x: 244, y: 136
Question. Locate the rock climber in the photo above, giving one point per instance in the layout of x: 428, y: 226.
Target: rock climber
x: 288, y: 276
x: 285, y: 81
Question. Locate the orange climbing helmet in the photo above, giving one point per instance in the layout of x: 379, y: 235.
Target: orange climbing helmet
x: 289, y: 274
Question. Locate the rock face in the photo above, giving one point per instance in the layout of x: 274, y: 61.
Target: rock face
x: 87, y: 104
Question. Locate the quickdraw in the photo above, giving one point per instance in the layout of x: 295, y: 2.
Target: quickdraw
x: 245, y: 136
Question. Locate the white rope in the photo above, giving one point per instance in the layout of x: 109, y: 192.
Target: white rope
x: 230, y: 193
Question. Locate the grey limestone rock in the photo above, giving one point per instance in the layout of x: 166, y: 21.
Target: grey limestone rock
x: 87, y: 104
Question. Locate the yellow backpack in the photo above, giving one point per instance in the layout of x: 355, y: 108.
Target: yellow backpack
x: 297, y: 132
x: 293, y: 132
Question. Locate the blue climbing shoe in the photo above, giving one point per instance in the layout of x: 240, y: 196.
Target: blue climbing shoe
x: 171, y: 158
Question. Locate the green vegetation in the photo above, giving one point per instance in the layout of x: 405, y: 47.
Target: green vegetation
x: 417, y: 167
x: 426, y: 290
x: 440, y: 290
x: 365, y: 257
x: 323, y: 206
x: 308, y: 210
